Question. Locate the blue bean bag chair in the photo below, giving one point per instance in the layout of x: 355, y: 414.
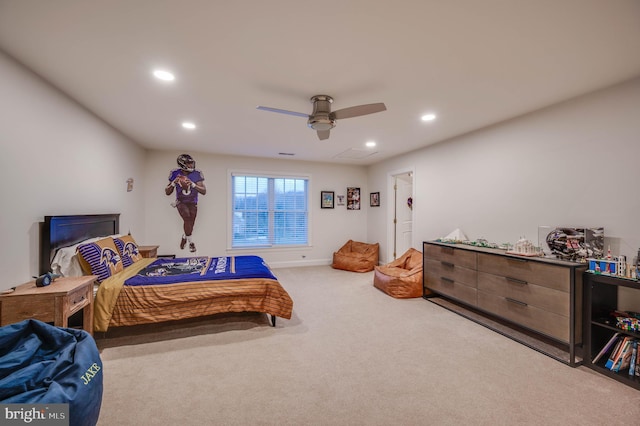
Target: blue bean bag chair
x: 43, y: 364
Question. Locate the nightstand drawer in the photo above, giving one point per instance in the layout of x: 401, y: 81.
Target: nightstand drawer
x: 78, y: 299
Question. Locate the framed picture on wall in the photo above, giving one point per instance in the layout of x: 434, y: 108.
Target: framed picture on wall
x: 326, y: 199
x: 374, y: 199
x: 353, y: 198
x: 340, y: 200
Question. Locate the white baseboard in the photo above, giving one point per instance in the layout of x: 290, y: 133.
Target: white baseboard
x: 296, y: 263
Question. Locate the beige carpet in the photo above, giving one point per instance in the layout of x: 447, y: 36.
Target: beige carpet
x: 350, y: 355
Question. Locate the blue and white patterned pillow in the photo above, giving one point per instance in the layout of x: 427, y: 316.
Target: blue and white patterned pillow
x: 100, y: 258
x: 128, y: 249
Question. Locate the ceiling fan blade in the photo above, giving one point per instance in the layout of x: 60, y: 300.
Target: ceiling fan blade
x: 323, y: 134
x: 356, y: 111
x: 283, y: 111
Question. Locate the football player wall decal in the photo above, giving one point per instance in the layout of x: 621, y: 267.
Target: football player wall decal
x: 187, y: 183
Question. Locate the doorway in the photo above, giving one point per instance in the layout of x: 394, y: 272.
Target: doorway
x: 402, y: 224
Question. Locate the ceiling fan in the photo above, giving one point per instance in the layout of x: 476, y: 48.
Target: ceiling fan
x: 322, y: 119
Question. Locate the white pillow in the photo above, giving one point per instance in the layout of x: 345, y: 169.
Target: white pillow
x: 66, y: 263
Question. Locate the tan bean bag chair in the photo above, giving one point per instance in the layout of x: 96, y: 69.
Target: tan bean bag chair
x: 356, y: 256
x: 401, y: 278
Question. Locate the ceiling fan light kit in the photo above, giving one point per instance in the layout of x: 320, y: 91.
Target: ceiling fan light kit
x: 322, y: 119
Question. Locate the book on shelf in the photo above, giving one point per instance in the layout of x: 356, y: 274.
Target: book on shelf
x: 614, y: 353
x: 605, y: 348
x: 624, y: 360
x: 637, y: 365
x: 634, y: 356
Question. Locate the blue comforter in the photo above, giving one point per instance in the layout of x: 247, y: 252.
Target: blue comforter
x: 190, y: 269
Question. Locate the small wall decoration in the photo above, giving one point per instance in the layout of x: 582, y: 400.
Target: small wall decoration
x: 410, y: 203
x: 374, y: 199
x: 340, y: 200
x: 353, y: 198
x: 326, y: 199
x: 129, y: 184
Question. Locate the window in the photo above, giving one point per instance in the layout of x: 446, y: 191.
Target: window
x: 269, y: 211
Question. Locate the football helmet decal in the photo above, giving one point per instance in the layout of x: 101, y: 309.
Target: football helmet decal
x: 186, y: 163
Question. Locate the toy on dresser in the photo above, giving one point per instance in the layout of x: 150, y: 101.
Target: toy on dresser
x: 615, y: 265
x: 524, y: 247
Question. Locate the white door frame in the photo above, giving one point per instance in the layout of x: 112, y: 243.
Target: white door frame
x: 391, y: 210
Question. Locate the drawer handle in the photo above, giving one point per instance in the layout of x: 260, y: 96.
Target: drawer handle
x: 448, y: 250
x: 447, y: 264
x: 447, y: 280
x: 516, y: 301
x: 517, y: 259
x: 516, y: 281
x: 82, y: 299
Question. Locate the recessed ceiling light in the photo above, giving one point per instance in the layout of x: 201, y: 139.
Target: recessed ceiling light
x: 370, y: 144
x: 188, y: 125
x: 428, y: 117
x: 164, y: 75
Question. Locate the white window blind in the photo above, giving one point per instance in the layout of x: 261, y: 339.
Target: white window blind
x: 269, y: 211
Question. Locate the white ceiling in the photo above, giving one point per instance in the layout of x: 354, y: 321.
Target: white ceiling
x: 473, y: 63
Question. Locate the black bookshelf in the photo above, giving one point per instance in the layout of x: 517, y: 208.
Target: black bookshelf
x: 601, y: 298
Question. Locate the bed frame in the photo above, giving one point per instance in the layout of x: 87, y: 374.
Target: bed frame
x: 61, y: 231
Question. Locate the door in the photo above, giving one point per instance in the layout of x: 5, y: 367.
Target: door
x: 403, y: 213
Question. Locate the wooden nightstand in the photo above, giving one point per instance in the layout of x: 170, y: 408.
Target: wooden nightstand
x: 54, y: 303
x: 148, y: 251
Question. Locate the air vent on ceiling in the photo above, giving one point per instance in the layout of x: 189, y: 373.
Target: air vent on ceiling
x: 356, y: 154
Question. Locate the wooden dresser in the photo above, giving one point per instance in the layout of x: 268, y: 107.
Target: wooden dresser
x: 538, y: 295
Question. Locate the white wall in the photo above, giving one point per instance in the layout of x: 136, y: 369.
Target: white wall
x: 57, y: 158
x: 573, y: 164
x: 330, y: 228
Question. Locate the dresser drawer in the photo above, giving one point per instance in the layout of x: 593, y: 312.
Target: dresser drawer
x: 545, y: 322
x: 532, y: 294
x: 546, y: 275
x: 460, y: 257
x: 451, y: 271
x: 450, y: 288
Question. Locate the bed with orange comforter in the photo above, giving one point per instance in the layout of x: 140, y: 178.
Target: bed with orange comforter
x: 156, y: 290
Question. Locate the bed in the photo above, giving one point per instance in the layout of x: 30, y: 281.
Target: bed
x: 151, y: 290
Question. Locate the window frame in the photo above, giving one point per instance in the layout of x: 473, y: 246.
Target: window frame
x: 267, y: 175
